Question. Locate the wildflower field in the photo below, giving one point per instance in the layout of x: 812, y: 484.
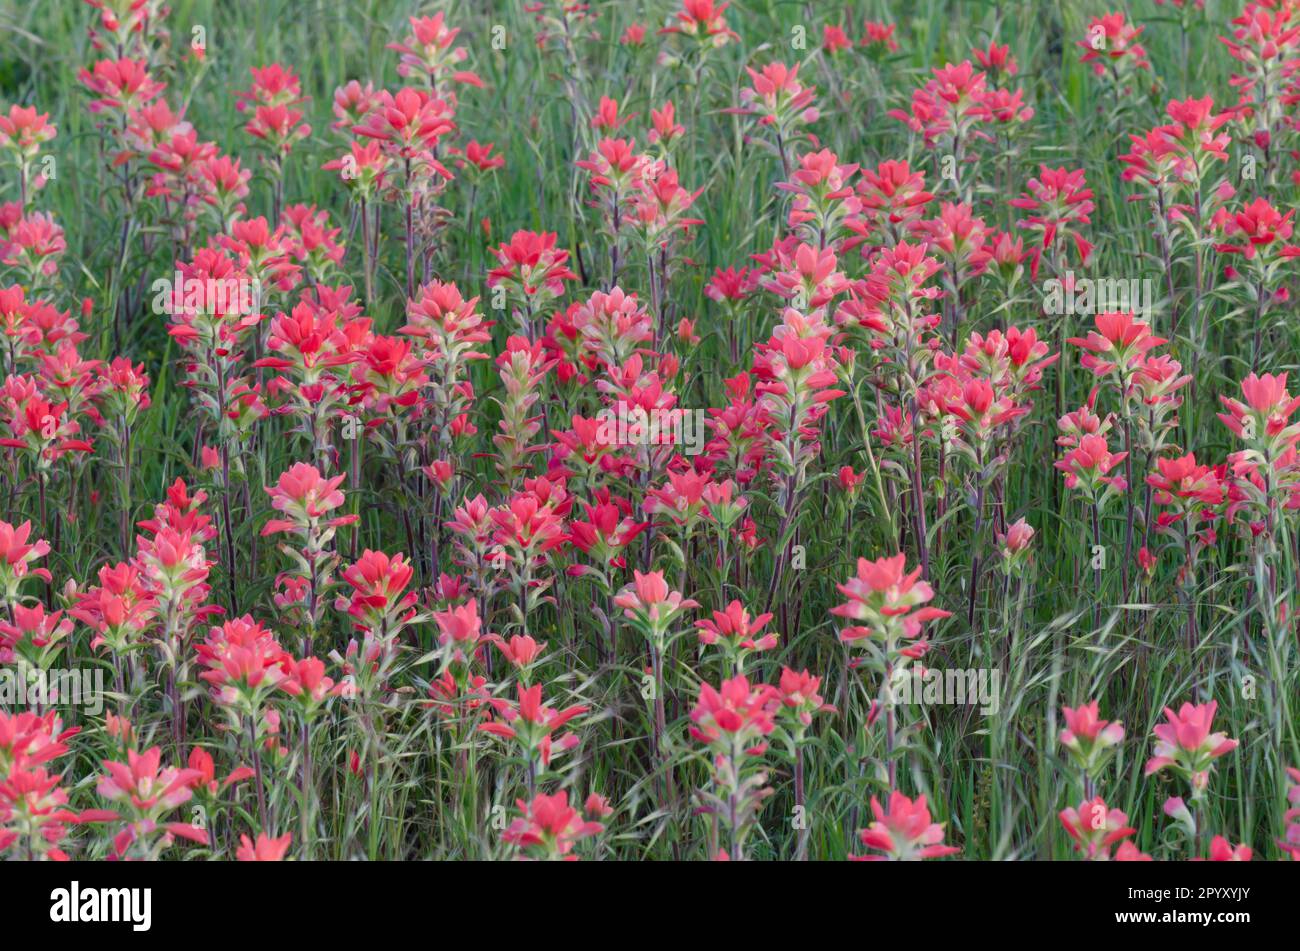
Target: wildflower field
x: 670, y: 430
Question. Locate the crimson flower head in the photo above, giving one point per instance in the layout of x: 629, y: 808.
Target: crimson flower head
x: 1222, y: 850
x: 904, y: 832
x: 479, y: 157
x: 607, y: 115
x: 878, y: 38
x: 1181, y: 480
x: 997, y: 60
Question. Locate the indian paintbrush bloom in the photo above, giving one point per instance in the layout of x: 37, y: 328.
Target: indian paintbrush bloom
x: 1187, y: 746
x: 904, y: 832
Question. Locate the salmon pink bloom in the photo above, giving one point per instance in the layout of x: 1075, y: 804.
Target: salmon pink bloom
x: 521, y: 651
x: 265, y: 849
x: 1086, y: 467
x: 737, y: 633
x: 1120, y: 342
x: 997, y: 60
x: 352, y: 103
x: 1221, y: 850
x: 34, y: 814
x: 304, y: 495
x: 893, y: 197
x: 378, y: 582
x: 607, y: 115
x: 1112, y: 47
x: 703, y: 21
x: 1089, y: 738
x: 200, y: 760
x: 1060, y: 202
x: 1183, y: 484
x: 1257, y: 229
x: 648, y: 602
x: 834, y: 39
x: 146, y: 794
x: 549, y: 828
x: 734, y: 721
x: 409, y: 125
x: 1264, y: 420
x: 1015, y: 544
x: 16, y: 557
x: 778, y: 98
x: 459, y: 633
x: 1095, y: 828
x: 118, y: 609
x: 878, y: 38
x: 531, y: 269
x: 1289, y: 844
x: 665, y: 129
x: 800, y: 699
x: 23, y: 131
x: 887, y: 600
x: 243, y: 663
x: 532, y: 725
x: 123, y: 85
x: 904, y: 833
x: 1186, y: 745
x: 479, y: 158
x: 33, y: 635
x: 305, y: 681
x: 736, y: 717
x: 429, y: 51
